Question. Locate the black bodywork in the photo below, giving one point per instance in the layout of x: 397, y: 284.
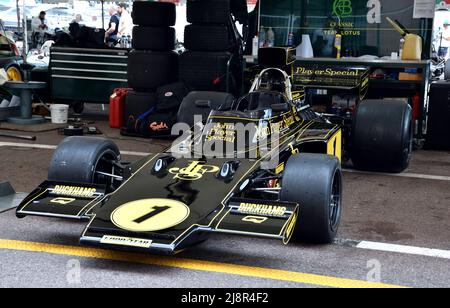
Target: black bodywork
x: 164, y: 204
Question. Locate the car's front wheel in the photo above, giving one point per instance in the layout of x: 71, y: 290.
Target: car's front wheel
x: 84, y: 160
x: 314, y: 181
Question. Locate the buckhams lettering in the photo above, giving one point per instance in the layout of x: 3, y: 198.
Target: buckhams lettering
x: 262, y: 209
x: 74, y: 191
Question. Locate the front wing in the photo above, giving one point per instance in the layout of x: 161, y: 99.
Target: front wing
x: 267, y: 219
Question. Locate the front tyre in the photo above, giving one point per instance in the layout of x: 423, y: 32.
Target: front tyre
x: 314, y: 181
x: 84, y: 160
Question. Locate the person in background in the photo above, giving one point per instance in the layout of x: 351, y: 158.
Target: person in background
x: 111, y: 37
x: 445, y: 42
x: 39, y: 27
x: 39, y: 23
x: 78, y: 19
x: 126, y: 21
x: 323, y: 39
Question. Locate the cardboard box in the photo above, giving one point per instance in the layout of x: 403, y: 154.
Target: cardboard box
x: 410, y: 77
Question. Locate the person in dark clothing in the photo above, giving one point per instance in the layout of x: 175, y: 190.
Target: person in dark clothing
x: 113, y: 27
x: 252, y: 30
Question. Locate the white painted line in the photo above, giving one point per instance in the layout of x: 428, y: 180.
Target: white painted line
x: 53, y: 147
x: 405, y: 175
x: 411, y: 250
x: 28, y: 145
x: 142, y: 154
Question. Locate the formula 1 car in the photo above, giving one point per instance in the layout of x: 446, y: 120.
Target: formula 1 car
x: 283, y: 182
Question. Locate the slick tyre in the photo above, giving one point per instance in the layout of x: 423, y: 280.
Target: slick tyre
x: 382, y: 136
x: 153, y: 38
x: 201, y: 104
x: 154, y: 14
x: 207, y: 38
x: 205, y: 71
x: 208, y: 11
x: 78, y: 159
x: 314, y: 181
x: 148, y: 71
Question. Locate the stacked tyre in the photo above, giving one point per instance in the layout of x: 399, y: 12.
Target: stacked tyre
x: 152, y: 63
x: 211, y: 42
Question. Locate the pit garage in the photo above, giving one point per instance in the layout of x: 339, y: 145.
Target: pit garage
x: 229, y: 144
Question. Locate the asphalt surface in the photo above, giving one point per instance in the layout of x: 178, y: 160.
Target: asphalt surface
x: 378, y: 207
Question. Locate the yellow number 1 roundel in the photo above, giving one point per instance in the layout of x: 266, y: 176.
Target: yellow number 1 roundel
x: 150, y: 215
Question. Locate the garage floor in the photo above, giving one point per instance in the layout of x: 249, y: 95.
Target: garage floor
x: 410, y: 211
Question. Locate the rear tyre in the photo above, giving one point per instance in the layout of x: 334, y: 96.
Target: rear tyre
x: 382, y: 136
x: 208, y: 12
x: 314, y: 181
x: 205, y: 71
x: 153, y: 38
x: 201, y: 104
x: 154, y: 14
x: 79, y: 159
x: 148, y: 71
x: 206, y: 38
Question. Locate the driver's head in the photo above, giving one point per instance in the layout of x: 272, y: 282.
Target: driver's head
x: 274, y: 80
x: 42, y: 15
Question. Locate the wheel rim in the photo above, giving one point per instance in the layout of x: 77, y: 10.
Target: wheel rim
x: 336, y: 201
x: 103, y: 166
x: 14, y: 74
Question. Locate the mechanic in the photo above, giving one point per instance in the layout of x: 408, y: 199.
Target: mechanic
x: 445, y: 45
x: 113, y: 28
x: 126, y: 22
x: 39, y: 27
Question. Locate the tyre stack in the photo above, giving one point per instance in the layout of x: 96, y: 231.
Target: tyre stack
x: 211, y: 42
x: 152, y: 64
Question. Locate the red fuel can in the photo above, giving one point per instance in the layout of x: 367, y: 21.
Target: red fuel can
x: 116, y: 107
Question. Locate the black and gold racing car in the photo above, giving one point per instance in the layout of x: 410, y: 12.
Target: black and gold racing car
x: 281, y: 180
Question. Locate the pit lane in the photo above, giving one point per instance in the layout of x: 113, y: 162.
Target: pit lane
x: 410, y: 211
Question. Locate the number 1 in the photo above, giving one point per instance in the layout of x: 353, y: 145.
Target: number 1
x: 155, y: 211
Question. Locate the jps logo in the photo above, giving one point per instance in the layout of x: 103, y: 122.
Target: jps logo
x: 194, y: 171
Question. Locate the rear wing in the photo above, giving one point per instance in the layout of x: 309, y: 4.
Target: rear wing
x: 268, y: 219
x: 62, y: 200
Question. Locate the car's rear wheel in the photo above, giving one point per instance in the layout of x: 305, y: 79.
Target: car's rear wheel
x: 382, y: 136
x: 14, y: 73
x: 314, y: 181
x: 84, y: 160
